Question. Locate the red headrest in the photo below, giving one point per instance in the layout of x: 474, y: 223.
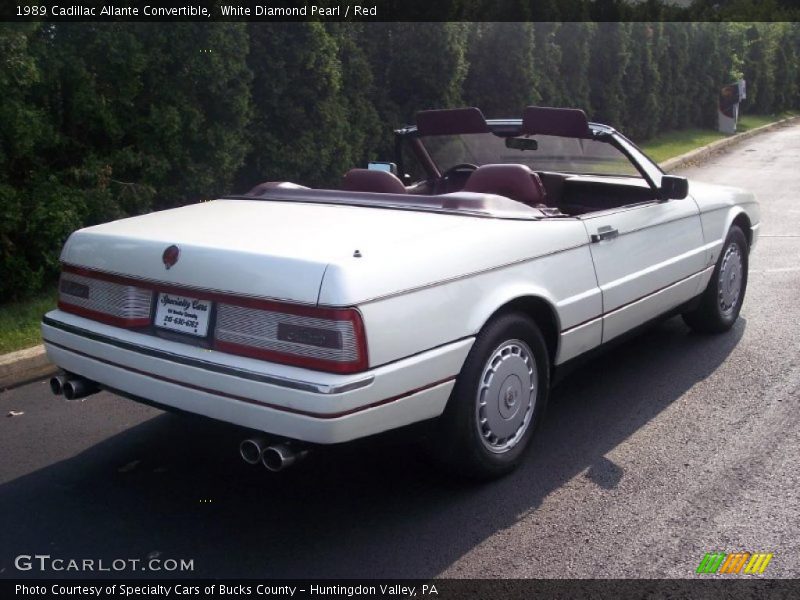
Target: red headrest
x: 367, y: 180
x: 517, y: 182
x: 451, y: 121
x: 564, y: 122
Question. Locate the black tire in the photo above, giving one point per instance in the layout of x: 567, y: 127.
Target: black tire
x: 716, y: 313
x: 457, y: 440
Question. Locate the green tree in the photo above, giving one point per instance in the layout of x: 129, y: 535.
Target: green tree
x: 20, y: 137
x: 197, y: 103
x: 759, y: 70
x: 609, y: 60
x: 298, y: 127
x: 785, y: 65
x: 547, y: 63
x: 574, y: 41
x: 501, y: 88
x: 427, y: 66
x: 707, y: 65
x: 148, y: 113
x: 363, y: 129
x: 663, y: 55
x: 23, y: 122
x: 117, y: 119
x: 416, y: 66
x: 793, y: 39
x: 641, y: 82
x: 679, y: 77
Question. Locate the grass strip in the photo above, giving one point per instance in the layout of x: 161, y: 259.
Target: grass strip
x: 674, y: 143
x: 19, y: 321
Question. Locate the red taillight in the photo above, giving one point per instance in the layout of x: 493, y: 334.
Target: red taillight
x: 324, y: 339
x: 115, y: 303
x: 315, y: 338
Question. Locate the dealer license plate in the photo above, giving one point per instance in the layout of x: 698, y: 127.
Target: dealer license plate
x: 183, y: 314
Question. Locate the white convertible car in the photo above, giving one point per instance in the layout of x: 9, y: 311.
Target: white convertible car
x: 455, y: 291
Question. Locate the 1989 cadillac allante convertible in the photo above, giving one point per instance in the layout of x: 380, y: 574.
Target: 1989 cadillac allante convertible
x: 448, y: 286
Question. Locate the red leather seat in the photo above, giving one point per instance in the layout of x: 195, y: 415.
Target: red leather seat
x: 517, y: 182
x: 367, y: 180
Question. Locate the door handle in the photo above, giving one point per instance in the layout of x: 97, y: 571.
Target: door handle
x: 604, y: 233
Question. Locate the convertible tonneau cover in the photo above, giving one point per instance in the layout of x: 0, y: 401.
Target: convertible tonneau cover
x: 461, y: 203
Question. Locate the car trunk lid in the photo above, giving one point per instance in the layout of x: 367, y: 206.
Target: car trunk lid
x: 267, y: 249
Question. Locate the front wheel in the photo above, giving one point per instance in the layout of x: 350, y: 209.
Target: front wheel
x: 497, y: 401
x: 722, y: 300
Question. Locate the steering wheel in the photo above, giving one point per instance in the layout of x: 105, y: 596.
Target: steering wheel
x: 453, y: 179
x: 459, y: 168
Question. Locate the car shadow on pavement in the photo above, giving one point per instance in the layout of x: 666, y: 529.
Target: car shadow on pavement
x: 174, y: 486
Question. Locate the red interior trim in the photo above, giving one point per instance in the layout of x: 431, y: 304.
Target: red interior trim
x: 101, y: 316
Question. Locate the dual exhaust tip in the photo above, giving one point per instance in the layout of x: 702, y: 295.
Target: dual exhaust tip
x: 275, y: 457
x: 73, y: 387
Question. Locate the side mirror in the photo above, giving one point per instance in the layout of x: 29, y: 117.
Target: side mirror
x: 674, y: 188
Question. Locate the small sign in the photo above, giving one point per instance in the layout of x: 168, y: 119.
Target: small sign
x: 183, y: 314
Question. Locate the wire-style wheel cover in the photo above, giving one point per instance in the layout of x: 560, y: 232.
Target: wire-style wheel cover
x: 506, y: 396
x: 730, y: 279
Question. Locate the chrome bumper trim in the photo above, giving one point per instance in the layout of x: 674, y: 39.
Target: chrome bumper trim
x: 295, y: 384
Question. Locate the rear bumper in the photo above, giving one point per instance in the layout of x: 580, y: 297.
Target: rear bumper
x: 282, y: 400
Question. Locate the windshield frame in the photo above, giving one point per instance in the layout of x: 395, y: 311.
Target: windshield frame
x: 648, y: 169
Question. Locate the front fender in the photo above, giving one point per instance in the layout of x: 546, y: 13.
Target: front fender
x: 719, y: 207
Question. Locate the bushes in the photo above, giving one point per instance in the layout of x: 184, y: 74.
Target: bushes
x: 500, y: 88
x: 103, y: 120
x: 34, y: 224
x: 607, y: 68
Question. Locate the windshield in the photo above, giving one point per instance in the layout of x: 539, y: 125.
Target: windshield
x: 539, y: 152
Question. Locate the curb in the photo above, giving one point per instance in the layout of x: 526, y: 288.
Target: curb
x: 703, y: 153
x: 24, y: 366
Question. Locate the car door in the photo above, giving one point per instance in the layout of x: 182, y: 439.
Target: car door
x: 649, y: 258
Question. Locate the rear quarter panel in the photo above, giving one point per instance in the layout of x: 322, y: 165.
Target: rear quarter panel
x: 448, y: 289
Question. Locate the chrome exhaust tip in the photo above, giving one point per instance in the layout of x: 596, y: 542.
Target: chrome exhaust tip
x: 79, y: 387
x: 250, y: 450
x: 57, y: 384
x: 280, y: 456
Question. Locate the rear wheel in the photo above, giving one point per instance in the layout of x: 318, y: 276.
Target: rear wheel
x: 497, y: 401
x: 722, y: 300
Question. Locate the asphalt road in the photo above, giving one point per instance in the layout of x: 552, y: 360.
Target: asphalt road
x: 665, y: 448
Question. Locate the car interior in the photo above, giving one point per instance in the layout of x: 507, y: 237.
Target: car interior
x: 550, y: 192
